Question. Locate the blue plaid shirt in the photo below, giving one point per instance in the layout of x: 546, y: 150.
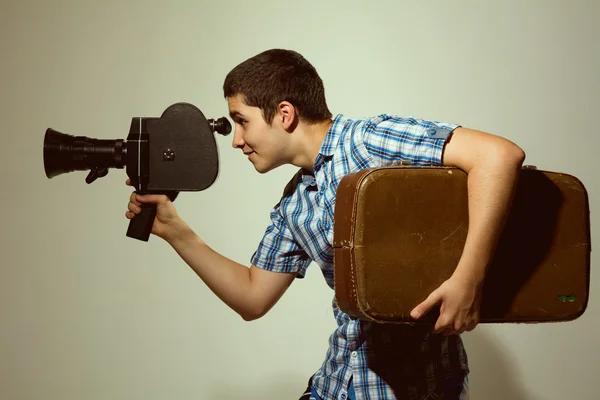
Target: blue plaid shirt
x: 382, y: 361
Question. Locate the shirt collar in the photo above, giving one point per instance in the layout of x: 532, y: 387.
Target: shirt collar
x: 332, y: 137
x: 331, y: 140
x: 328, y: 147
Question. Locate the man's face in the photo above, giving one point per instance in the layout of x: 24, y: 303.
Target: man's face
x: 264, y: 145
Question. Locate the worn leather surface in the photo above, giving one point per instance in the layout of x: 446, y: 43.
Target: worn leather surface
x: 400, y: 231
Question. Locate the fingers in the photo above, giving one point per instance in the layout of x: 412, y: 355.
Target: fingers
x: 135, y: 202
x: 134, y: 208
x: 442, y: 325
x: 138, y: 199
x: 133, y: 198
x: 446, y: 329
x: 150, y: 198
x: 453, y: 326
x: 447, y: 332
x: 472, y: 325
x: 430, y: 302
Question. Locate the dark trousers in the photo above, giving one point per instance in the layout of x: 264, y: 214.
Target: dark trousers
x: 454, y: 389
x: 308, y: 392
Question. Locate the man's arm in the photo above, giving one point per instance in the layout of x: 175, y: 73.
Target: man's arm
x: 251, y: 292
x: 493, y: 165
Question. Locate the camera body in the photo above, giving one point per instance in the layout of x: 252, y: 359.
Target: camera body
x: 162, y: 155
x: 176, y: 152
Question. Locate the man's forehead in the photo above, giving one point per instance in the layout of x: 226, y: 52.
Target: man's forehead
x: 235, y: 104
x: 235, y: 111
x: 237, y: 107
x: 237, y: 100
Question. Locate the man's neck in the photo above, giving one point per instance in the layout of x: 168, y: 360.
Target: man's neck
x: 310, y: 140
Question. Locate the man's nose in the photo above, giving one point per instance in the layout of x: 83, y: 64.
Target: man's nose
x: 238, y: 141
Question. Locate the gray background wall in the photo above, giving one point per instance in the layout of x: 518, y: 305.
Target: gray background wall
x: 87, y: 313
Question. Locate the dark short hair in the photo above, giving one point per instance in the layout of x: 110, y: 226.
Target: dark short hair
x: 278, y: 75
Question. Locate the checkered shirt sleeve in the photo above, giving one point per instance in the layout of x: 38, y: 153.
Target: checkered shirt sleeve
x: 390, y: 139
x: 278, y: 250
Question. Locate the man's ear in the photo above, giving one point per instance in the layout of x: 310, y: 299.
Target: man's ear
x: 286, y: 113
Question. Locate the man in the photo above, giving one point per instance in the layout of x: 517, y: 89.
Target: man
x: 277, y: 102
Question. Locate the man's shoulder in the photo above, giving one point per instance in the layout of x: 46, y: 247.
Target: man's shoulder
x: 292, y: 184
x: 389, y: 118
x: 351, y: 127
x: 344, y: 123
x: 290, y: 188
x: 373, y: 118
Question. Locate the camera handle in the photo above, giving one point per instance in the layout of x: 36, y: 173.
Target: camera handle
x: 140, y: 226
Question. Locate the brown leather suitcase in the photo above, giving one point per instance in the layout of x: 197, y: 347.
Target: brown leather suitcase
x: 399, y: 233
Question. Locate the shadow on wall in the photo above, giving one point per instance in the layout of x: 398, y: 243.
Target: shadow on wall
x: 493, y: 375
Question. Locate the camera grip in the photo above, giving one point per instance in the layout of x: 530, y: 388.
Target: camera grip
x: 140, y: 226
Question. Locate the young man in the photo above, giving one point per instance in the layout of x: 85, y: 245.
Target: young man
x: 277, y: 102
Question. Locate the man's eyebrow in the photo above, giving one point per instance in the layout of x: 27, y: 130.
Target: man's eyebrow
x: 235, y: 114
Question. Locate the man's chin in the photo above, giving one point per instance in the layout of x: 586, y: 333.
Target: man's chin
x: 263, y: 169
x: 259, y: 168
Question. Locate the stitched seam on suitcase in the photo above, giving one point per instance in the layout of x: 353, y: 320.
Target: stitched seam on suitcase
x: 354, y: 272
x: 353, y: 278
x: 353, y: 293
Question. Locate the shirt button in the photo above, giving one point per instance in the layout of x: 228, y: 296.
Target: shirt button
x: 431, y: 131
x: 354, y: 354
x: 343, y: 396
